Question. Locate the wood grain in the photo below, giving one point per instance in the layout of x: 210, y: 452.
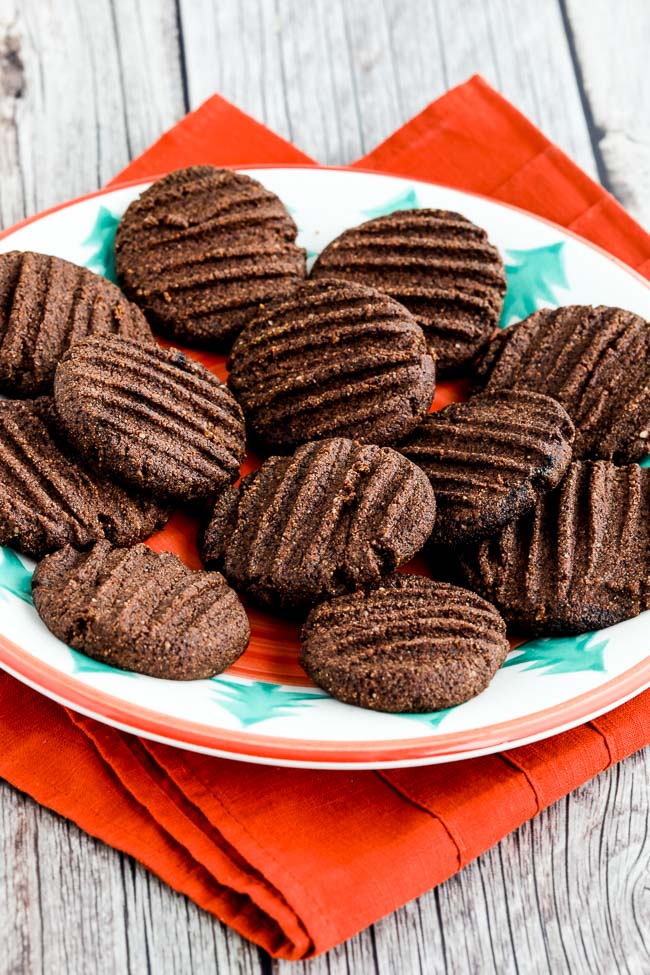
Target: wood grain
x: 69, y: 905
x: 338, y: 77
x: 568, y: 892
x: 85, y: 86
x: 611, y: 43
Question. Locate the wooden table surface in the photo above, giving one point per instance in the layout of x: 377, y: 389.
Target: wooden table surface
x: 87, y: 84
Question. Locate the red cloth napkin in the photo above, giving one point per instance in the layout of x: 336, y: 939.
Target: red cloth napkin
x: 299, y: 860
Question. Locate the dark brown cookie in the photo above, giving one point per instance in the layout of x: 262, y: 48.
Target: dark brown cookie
x: 334, y: 517
x: 46, y: 304
x: 152, y: 417
x: 47, y: 499
x: 579, y: 561
x: 595, y: 361
x: 490, y: 459
x: 413, y: 645
x: 139, y: 610
x: 438, y: 264
x: 203, y: 249
x: 332, y: 359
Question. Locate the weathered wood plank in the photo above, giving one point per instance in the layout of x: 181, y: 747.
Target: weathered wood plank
x: 69, y: 904
x: 611, y: 42
x: 338, y: 77
x: 84, y: 87
x: 13, y: 200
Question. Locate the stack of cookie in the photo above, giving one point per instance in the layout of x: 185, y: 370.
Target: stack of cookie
x: 526, y: 500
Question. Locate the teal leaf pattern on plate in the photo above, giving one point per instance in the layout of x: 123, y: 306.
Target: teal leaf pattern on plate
x: 562, y: 655
x: 258, y: 701
x: 81, y: 664
x: 15, y: 578
x: 533, y: 277
x: 406, y: 200
x: 431, y: 718
x: 102, y: 239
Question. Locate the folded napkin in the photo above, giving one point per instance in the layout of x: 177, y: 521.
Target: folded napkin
x: 299, y: 860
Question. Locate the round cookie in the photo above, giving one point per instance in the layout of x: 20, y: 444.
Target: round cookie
x: 46, y: 304
x: 151, y: 417
x: 438, y: 264
x: 579, y: 561
x: 47, y: 498
x: 334, y: 517
x: 594, y: 361
x: 203, y: 249
x: 489, y: 460
x: 413, y: 645
x: 142, y: 611
x: 332, y: 359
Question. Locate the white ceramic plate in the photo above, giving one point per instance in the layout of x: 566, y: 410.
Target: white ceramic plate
x: 264, y: 709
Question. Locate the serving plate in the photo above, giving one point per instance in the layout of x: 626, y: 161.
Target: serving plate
x: 264, y: 709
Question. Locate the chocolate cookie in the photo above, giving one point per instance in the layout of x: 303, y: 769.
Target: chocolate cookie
x: 490, y: 459
x: 334, y: 517
x: 332, y: 359
x: 438, y: 264
x: 138, y: 610
x: 151, y: 417
x: 579, y: 561
x: 413, y: 645
x: 46, y: 304
x: 47, y: 499
x: 203, y: 249
x: 595, y: 361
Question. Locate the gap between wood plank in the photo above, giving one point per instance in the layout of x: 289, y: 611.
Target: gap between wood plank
x: 595, y: 133
x: 182, y: 61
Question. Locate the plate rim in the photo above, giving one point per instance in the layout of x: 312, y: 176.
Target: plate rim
x: 315, y: 753
x: 115, y: 186
x: 241, y: 745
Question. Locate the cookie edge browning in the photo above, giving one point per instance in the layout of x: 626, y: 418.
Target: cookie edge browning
x: 447, y: 531
x: 633, y: 448
x: 126, y: 657
x: 381, y: 697
x: 221, y: 519
x: 566, y: 617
